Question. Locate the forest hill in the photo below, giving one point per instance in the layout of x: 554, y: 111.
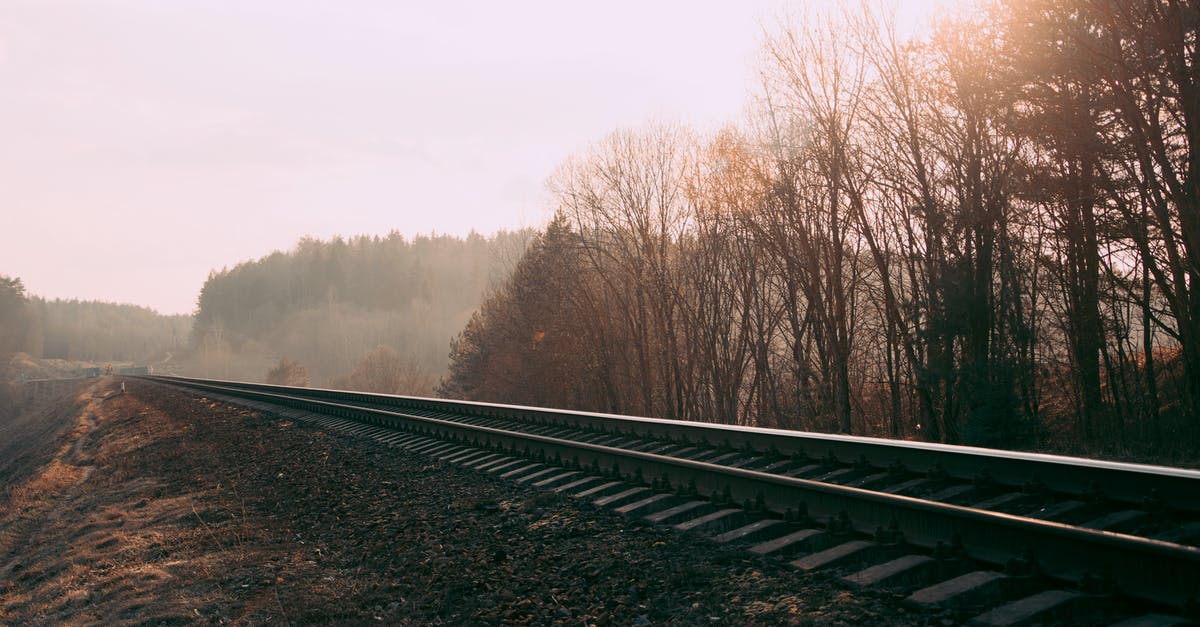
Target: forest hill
x: 333, y: 306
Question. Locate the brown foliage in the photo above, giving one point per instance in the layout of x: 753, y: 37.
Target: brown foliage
x: 288, y: 372
x: 384, y: 370
x: 970, y: 237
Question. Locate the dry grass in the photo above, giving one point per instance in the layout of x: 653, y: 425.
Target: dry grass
x: 50, y: 484
x: 62, y: 537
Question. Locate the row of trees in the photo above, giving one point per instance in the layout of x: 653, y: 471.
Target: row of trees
x: 98, y: 332
x: 15, y: 323
x: 981, y: 236
x: 383, y: 370
x: 329, y: 304
x: 85, y: 330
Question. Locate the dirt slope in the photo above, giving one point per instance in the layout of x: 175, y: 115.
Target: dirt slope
x: 32, y: 427
x: 161, y: 508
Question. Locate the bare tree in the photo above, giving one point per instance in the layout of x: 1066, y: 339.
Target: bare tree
x: 819, y: 83
x: 625, y: 200
x: 385, y: 370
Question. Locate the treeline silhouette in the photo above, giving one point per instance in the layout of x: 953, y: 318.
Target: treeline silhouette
x: 98, y: 331
x: 78, y: 333
x: 325, y: 308
x: 15, y: 324
x: 987, y: 235
x: 90, y: 331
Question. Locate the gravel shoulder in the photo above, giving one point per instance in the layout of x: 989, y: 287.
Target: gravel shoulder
x: 159, y: 507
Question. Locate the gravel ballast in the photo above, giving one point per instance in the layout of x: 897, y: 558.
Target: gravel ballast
x: 177, y: 509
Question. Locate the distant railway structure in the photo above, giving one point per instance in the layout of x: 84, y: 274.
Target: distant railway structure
x: 37, y: 388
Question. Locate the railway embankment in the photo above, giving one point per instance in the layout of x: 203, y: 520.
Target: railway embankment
x: 156, y: 506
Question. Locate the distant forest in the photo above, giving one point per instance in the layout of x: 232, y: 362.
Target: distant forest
x: 85, y: 330
x: 333, y: 308
x: 988, y: 236
x: 97, y: 331
x: 371, y: 313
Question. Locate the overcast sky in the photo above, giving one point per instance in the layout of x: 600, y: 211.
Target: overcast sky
x: 146, y: 142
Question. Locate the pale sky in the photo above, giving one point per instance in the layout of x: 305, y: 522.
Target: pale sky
x: 145, y: 142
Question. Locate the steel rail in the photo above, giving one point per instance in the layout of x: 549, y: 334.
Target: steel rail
x: 1177, y: 488
x: 1156, y: 571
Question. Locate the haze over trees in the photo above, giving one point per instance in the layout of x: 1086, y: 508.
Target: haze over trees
x: 87, y: 331
x: 345, y: 307
x: 70, y: 334
x: 990, y: 235
x: 16, y: 321
x: 288, y: 372
x: 98, y: 331
x: 14, y: 328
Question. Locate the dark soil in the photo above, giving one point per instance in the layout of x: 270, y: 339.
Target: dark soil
x: 164, y: 508
x: 32, y: 427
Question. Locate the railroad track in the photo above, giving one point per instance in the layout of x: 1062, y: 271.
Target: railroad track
x: 1002, y: 538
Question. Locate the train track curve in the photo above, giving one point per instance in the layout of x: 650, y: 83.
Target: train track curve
x: 1004, y: 538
